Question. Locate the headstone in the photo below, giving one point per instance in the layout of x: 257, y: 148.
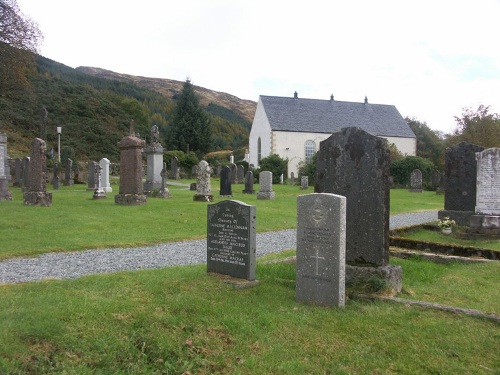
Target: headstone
x: 131, y: 189
x: 92, y: 183
x: 437, y: 182
x: 225, y: 182
x: 203, y: 189
x: 37, y: 194
x: 231, y: 159
x: 321, y: 234
x: 231, y: 244
x: 355, y: 164
x: 26, y: 174
x: 174, y: 168
x: 18, y: 180
x: 292, y: 178
x: 304, y: 182
x: 105, y: 185
x: 219, y: 170
x: 99, y: 192
x: 164, y: 192
x: 416, y: 181
x: 154, y: 155
x: 240, y: 174
x: 460, y: 182
x: 5, y: 194
x: 192, y: 186
x: 55, y: 179
x: 249, y: 183
x: 266, y: 185
x: 233, y: 169
x: 68, y: 173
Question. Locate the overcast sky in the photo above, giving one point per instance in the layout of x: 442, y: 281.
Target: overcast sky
x: 429, y: 58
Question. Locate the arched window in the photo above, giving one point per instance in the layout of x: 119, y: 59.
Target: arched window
x: 310, y: 150
x: 259, y: 149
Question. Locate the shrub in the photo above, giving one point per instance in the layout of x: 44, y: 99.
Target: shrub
x: 275, y: 164
x: 401, y: 169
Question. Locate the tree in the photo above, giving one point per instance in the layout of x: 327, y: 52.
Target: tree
x: 401, y: 169
x: 19, y: 41
x: 190, y: 128
x: 275, y: 164
x: 480, y: 128
x: 430, y: 145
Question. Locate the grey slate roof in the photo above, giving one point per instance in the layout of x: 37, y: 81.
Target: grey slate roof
x: 328, y: 116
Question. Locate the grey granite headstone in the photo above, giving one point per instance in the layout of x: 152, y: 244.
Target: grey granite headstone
x: 225, y: 182
x: 249, y: 180
x: 321, y: 235
x: 91, y: 182
x: 265, y: 185
x: 18, y: 173
x: 292, y: 178
x: 488, y: 182
x: 240, y: 174
x: 231, y: 235
x: 131, y: 189
x: 174, y: 168
x: 304, y: 182
x: 233, y: 169
x: 68, y: 173
x: 355, y: 164
x: 154, y: 156
x: 26, y: 174
x: 416, y: 181
x: 203, y: 188
x: 37, y: 194
x: 5, y: 194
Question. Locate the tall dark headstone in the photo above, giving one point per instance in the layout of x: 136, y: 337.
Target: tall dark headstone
x: 55, y: 179
x: 26, y: 174
x: 233, y: 169
x: 460, y: 182
x: 131, y: 190
x: 5, y: 194
x: 68, y: 173
x: 91, y: 182
x: 18, y: 180
x: 231, y: 235
x: 225, y: 182
x: 249, y: 180
x: 37, y: 194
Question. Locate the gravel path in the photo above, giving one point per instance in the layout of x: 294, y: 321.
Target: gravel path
x: 75, y: 264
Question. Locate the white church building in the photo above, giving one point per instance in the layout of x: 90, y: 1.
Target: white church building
x: 294, y: 127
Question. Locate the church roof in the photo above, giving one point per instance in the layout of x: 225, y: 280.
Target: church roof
x: 328, y: 116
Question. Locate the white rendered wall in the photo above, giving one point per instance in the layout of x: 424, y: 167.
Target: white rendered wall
x: 407, y: 146
x: 262, y: 129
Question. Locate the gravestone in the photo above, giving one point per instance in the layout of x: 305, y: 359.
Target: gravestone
x: 416, y: 181
x: 99, y: 192
x: 321, y: 233
x: 225, y: 182
x: 292, y: 178
x: 154, y: 155
x: 37, y: 194
x: 105, y: 185
x: 460, y: 182
x: 68, y: 173
x: 5, y: 194
x: 18, y: 170
x: 231, y: 239
x: 203, y: 189
x: 233, y: 169
x: 486, y: 220
x: 437, y: 181
x: 164, y: 192
x: 240, y: 174
x: 249, y: 183
x: 304, y: 182
x: 219, y: 170
x: 131, y: 190
x: 174, y: 168
x: 26, y: 174
x: 91, y: 182
x: 266, y: 185
x: 55, y: 179
x: 192, y: 186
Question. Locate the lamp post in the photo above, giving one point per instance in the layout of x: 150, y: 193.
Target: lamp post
x: 58, y: 129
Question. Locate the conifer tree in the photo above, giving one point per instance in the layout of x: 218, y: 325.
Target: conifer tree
x: 190, y: 129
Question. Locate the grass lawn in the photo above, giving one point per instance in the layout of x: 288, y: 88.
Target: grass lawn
x: 77, y: 222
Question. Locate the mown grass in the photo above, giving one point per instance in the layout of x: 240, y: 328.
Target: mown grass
x: 180, y: 319
x: 77, y: 222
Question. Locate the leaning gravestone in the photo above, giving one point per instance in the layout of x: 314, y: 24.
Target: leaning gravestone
x: 104, y: 165
x: 203, y: 189
x: 266, y: 185
x: 131, y: 189
x: 37, y: 194
x: 355, y: 164
x: 5, y: 194
x: 231, y: 245
x: 249, y: 183
x: 460, y: 182
x: 226, y: 189
x: 416, y: 181
x: 321, y: 231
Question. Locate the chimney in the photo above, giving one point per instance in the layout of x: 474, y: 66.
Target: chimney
x: 366, y: 100
x: 295, y: 95
x: 331, y: 98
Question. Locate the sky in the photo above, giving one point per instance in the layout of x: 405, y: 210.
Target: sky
x: 429, y: 58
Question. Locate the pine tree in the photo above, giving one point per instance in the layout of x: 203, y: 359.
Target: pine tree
x: 190, y: 129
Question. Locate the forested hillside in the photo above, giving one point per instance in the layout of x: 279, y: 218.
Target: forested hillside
x: 95, y: 112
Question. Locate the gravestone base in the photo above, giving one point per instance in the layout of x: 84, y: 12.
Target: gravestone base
x: 384, y: 279
x: 5, y: 194
x: 203, y: 198
x: 131, y: 199
x: 484, y: 226
x: 99, y: 194
x: 460, y: 217
x: 149, y: 186
x: 415, y: 190
x: 248, y: 191
x: 164, y: 193
x: 225, y: 196
x: 38, y: 198
x: 266, y: 195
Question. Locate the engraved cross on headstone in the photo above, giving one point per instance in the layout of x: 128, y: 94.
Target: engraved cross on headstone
x: 318, y: 258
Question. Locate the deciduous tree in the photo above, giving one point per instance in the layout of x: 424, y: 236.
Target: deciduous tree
x: 480, y: 127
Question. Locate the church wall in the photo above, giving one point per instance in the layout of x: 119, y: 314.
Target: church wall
x: 407, y: 146
x: 260, y: 128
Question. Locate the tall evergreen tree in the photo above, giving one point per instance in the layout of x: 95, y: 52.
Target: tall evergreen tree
x: 190, y: 128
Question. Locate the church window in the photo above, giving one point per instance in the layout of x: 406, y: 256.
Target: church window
x: 310, y: 150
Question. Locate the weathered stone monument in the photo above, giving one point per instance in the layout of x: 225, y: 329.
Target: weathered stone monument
x: 266, y: 186
x: 174, y: 168
x: 321, y: 234
x: 55, y: 178
x: 5, y: 194
x: 164, y: 192
x: 231, y: 238
x: 203, y: 189
x: 249, y: 180
x: 131, y: 189
x: 154, y: 154
x: 26, y: 174
x: 304, y: 182
x: 416, y: 181
x: 91, y: 182
x: 104, y: 165
x: 486, y: 220
x: 99, y: 192
x: 37, y: 194
x: 460, y: 182
x: 437, y: 182
x: 18, y: 169
x: 68, y: 173
x: 292, y: 178
x: 226, y: 189
x: 240, y: 174
x: 355, y: 164
x: 233, y: 169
